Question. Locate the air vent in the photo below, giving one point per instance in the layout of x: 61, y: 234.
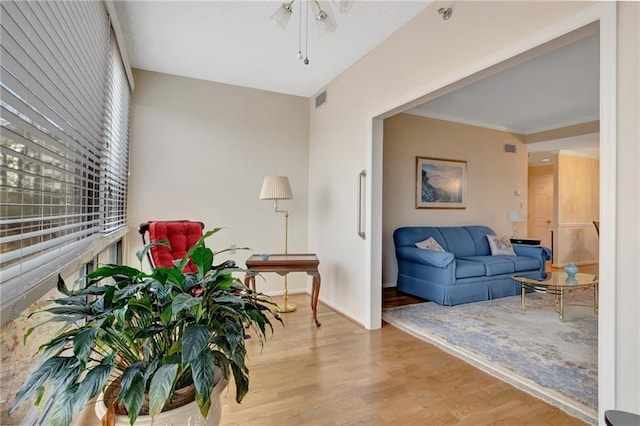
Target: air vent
x: 509, y: 148
x: 321, y: 98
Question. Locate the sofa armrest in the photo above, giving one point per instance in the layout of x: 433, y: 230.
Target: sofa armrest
x: 439, y: 259
x: 539, y: 252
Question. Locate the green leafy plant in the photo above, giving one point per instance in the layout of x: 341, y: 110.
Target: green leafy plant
x: 150, y: 333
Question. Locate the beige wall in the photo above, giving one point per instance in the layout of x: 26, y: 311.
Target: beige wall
x: 577, y: 196
x: 199, y: 150
x: 419, y: 58
x: 405, y: 66
x: 493, y: 176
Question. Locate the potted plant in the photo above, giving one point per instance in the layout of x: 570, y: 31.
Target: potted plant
x: 147, y: 337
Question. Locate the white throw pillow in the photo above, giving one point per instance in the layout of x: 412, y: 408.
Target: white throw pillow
x: 429, y: 244
x: 500, y: 245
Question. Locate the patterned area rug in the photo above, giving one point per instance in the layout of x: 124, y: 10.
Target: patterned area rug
x: 532, y: 350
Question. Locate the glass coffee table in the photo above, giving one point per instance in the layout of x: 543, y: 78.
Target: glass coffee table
x: 558, y: 284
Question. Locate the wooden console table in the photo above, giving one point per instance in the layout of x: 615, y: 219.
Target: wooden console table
x: 283, y: 264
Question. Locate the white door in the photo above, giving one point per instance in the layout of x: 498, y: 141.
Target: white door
x: 540, y: 220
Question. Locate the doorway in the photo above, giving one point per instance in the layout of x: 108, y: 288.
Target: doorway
x: 540, y: 201
x: 603, y: 15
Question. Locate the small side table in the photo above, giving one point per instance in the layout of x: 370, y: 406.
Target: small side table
x: 283, y: 264
x: 526, y: 241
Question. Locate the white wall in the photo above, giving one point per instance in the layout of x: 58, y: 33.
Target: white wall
x: 200, y: 150
x: 419, y: 58
x: 627, y: 297
x: 493, y: 176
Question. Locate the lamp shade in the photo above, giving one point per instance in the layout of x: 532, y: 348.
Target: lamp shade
x: 276, y: 188
x: 514, y: 216
x: 282, y: 15
x: 325, y: 23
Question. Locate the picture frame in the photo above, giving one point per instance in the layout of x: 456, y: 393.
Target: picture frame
x: 441, y: 183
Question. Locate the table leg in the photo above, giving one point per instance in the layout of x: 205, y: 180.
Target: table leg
x: 522, y: 291
x: 561, y: 304
x: 250, y: 281
x: 315, y: 292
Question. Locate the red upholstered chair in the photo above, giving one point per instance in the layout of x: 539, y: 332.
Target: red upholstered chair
x: 181, y: 235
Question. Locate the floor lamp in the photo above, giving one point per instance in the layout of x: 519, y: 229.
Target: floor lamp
x: 278, y: 188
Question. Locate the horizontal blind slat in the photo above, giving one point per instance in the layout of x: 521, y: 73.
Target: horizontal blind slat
x: 16, y: 278
x: 45, y: 80
x: 53, y: 82
x: 33, y: 118
x: 47, y: 244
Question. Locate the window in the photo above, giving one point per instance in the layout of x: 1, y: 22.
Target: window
x: 64, y: 144
x: 116, y: 150
x: 16, y: 358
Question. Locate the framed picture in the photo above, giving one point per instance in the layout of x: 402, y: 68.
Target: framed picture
x: 441, y: 183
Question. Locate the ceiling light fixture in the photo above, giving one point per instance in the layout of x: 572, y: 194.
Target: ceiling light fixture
x: 325, y: 23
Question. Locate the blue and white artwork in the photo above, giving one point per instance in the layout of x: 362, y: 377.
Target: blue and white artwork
x: 440, y: 183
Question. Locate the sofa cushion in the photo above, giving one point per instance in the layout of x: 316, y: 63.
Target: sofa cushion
x: 479, y: 237
x: 468, y: 269
x: 524, y: 263
x: 429, y: 244
x: 494, y: 265
x: 458, y: 241
x: 500, y: 245
x: 439, y: 259
x: 181, y: 235
x: 408, y: 236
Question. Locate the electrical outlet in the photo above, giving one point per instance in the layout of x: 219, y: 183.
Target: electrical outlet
x: 233, y: 249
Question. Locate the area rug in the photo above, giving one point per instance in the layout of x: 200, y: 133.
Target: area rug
x: 532, y: 350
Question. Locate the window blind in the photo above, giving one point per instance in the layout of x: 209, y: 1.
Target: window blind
x: 62, y: 181
x: 116, y: 149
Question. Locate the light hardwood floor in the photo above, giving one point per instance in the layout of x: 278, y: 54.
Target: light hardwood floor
x: 342, y: 374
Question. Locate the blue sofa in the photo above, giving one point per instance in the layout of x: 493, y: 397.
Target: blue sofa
x: 466, y: 271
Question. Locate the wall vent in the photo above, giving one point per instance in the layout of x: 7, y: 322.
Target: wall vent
x: 321, y: 98
x: 509, y: 148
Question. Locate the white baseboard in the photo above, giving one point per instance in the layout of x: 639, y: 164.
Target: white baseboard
x: 281, y: 292
x: 342, y: 312
x: 388, y: 285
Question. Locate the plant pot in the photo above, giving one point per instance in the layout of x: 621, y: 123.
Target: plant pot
x: 188, y: 414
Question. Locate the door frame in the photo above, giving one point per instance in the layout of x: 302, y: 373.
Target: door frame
x: 603, y: 13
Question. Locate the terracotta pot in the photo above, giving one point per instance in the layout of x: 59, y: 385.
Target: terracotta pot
x: 185, y: 415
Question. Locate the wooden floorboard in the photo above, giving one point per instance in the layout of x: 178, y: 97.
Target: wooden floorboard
x: 342, y: 374
x: 391, y: 297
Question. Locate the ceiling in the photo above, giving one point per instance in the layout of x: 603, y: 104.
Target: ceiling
x: 558, y: 89
x: 235, y: 42
x: 554, y: 90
